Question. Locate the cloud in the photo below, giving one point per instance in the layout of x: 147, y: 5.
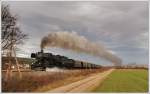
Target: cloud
x: 118, y: 25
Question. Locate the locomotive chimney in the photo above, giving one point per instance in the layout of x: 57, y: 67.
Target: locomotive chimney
x: 42, y: 51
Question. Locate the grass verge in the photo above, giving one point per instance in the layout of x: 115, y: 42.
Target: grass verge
x: 39, y: 81
x: 125, y: 80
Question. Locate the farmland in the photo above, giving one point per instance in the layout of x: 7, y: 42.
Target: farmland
x: 125, y: 80
x: 38, y: 81
x: 119, y: 80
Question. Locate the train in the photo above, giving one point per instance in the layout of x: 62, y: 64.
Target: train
x: 48, y: 60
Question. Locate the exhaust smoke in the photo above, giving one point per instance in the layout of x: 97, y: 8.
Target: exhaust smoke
x: 54, y: 69
x: 75, y: 42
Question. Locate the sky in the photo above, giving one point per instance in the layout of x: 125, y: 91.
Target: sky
x: 122, y: 27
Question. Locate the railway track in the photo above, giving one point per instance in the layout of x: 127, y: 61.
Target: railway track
x: 22, y: 70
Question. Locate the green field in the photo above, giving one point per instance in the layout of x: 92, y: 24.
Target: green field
x: 125, y: 80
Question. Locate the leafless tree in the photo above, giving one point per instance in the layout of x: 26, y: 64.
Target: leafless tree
x: 10, y: 28
x: 11, y: 36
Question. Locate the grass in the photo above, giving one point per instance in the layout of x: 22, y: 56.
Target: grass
x: 39, y: 81
x: 125, y: 80
x: 20, y: 59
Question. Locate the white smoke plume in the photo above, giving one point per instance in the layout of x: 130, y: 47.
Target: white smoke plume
x: 75, y: 42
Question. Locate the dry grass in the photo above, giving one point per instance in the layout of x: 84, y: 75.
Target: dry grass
x: 43, y: 81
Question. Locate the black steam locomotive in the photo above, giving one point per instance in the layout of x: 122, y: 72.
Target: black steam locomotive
x: 48, y: 60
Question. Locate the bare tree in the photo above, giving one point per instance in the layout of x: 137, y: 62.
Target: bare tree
x: 11, y: 37
x: 9, y: 28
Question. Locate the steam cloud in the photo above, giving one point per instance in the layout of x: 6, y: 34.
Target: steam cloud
x: 75, y: 42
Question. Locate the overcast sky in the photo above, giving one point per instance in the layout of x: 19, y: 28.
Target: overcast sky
x: 122, y: 27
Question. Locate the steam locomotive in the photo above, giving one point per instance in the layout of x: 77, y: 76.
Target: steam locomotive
x: 48, y: 60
